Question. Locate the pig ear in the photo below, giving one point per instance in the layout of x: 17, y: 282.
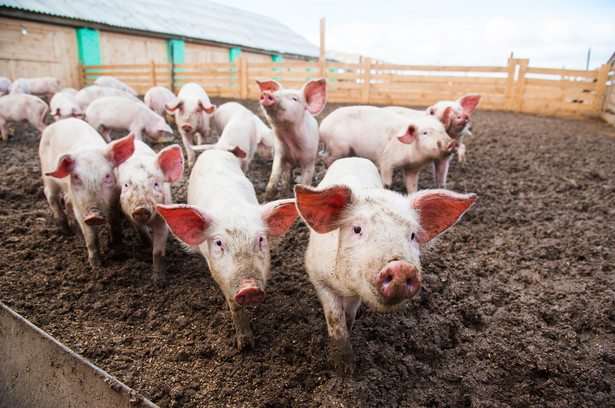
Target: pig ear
x: 447, y: 117
x: 409, y: 136
x: 163, y: 127
x: 120, y: 150
x: 186, y: 222
x: 431, y: 111
x: 209, y: 110
x: 316, y: 95
x: 171, y: 162
x: 439, y: 210
x: 238, y: 152
x: 271, y: 85
x: 469, y: 102
x: 322, y: 209
x: 173, y: 105
x: 65, y: 167
x: 279, y: 216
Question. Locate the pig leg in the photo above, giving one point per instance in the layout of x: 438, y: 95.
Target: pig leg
x: 441, y: 171
x: 241, y: 321
x: 411, y: 175
x: 201, y: 137
x: 187, y: 140
x: 307, y: 174
x: 461, y: 151
x: 91, y: 242
x: 277, y: 171
x: 4, y: 132
x: 386, y: 174
x: 105, y: 134
x: 52, y: 193
x: 351, y: 305
x: 161, y: 232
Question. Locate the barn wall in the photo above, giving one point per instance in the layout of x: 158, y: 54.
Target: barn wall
x: 131, y: 49
x: 46, y: 50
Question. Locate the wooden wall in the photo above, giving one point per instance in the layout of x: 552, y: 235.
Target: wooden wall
x: 131, y: 49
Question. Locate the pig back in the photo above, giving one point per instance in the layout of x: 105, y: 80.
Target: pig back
x: 353, y: 172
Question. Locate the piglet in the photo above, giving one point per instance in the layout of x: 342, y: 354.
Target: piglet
x: 364, y: 243
x: 290, y: 114
x: 5, y: 84
x: 114, y: 112
x: 78, y: 166
x: 389, y: 140
x: 64, y: 105
x: 112, y: 82
x: 145, y: 180
x: 225, y: 223
x: 22, y: 108
x: 44, y: 86
x: 156, y: 98
x: 88, y: 94
x: 19, y: 86
x: 192, y: 110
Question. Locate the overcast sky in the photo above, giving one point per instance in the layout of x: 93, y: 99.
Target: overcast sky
x: 552, y: 34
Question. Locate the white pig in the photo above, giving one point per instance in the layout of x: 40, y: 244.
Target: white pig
x: 70, y: 91
x: 113, y: 112
x: 19, y: 86
x: 364, y: 243
x: 22, y: 108
x: 5, y: 85
x: 44, y: 86
x: 64, y: 105
x: 263, y: 135
x: 112, y: 82
x: 290, y: 114
x: 387, y: 139
x: 225, y: 222
x: 89, y: 94
x: 145, y: 179
x: 78, y: 166
x: 192, y: 110
x: 156, y: 98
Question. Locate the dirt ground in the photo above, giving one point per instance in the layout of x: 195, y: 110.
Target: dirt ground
x: 517, y: 306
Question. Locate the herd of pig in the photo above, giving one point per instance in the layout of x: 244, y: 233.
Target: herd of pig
x: 364, y: 238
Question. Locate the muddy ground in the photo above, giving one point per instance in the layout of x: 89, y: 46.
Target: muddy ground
x: 517, y: 306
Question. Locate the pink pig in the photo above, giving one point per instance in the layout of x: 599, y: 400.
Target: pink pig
x: 364, y: 243
x: 291, y: 116
x: 112, y: 82
x: 88, y: 94
x: 78, y: 166
x: 113, y: 112
x: 5, y: 85
x: 22, y: 108
x: 225, y: 223
x: 156, y: 98
x: 145, y: 179
x: 44, y: 86
x: 387, y: 139
x: 64, y: 105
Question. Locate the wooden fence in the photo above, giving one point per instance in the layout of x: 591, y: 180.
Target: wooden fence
x: 514, y: 87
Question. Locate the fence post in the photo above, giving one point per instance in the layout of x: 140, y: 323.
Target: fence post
x: 81, y: 76
x: 367, y: 74
x: 601, y: 87
x: 523, y: 63
x: 510, y: 84
x: 152, y: 72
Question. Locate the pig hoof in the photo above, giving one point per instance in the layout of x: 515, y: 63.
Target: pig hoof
x: 245, y: 340
x: 342, y: 356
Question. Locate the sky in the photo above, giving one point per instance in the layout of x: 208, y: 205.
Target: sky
x: 551, y: 34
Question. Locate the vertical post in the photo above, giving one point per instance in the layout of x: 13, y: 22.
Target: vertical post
x: 510, y: 84
x: 367, y: 76
x: 322, y: 61
x: 172, y: 67
x: 603, y: 74
x: 152, y: 73
x: 523, y: 63
x: 81, y: 76
x: 242, y: 77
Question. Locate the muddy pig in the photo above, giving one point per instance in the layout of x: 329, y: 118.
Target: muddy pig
x: 364, y: 243
x: 22, y: 108
x: 387, y: 139
x: 263, y: 135
x: 145, y: 179
x: 113, y: 112
x: 291, y: 116
x: 64, y: 105
x: 192, y: 110
x: 112, y: 82
x: 225, y: 223
x: 78, y: 166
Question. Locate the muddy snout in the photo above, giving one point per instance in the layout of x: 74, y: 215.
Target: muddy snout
x: 248, y: 292
x: 94, y: 217
x: 266, y: 99
x: 141, y: 214
x: 398, y: 279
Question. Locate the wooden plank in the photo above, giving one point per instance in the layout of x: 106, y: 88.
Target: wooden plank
x: 367, y: 65
x: 564, y: 72
x: 391, y: 67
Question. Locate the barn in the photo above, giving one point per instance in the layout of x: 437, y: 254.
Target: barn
x: 43, y: 38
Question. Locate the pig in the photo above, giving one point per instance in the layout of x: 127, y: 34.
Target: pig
x: 114, y: 83
x: 19, y: 86
x: 387, y: 139
x: 291, y: 116
x: 64, y: 105
x: 5, y: 85
x: 225, y: 223
x: 45, y: 86
x: 114, y: 112
x: 145, y: 181
x: 239, y: 132
x: 22, y: 108
x: 263, y: 135
x: 192, y: 110
x: 70, y: 91
x: 364, y: 243
x: 78, y: 166
x: 156, y: 98
x: 88, y: 94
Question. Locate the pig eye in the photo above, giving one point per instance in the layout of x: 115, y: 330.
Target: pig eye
x: 126, y: 185
x: 108, y: 178
x: 412, y: 236
x: 294, y: 98
x: 76, y: 179
x: 356, y: 229
x: 219, y: 243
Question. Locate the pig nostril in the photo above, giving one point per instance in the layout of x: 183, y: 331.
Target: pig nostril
x: 388, y: 279
x: 410, y: 283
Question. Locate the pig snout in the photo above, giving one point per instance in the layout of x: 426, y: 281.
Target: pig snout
x: 462, y: 119
x: 94, y: 217
x: 248, y: 292
x: 399, y: 280
x: 267, y: 99
x: 141, y: 214
x: 187, y: 128
x: 452, y: 146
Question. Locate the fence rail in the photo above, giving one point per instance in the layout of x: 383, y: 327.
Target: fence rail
x: 514, y: 87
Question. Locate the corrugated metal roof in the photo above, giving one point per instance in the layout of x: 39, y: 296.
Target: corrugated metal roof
x: 187, y: 18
